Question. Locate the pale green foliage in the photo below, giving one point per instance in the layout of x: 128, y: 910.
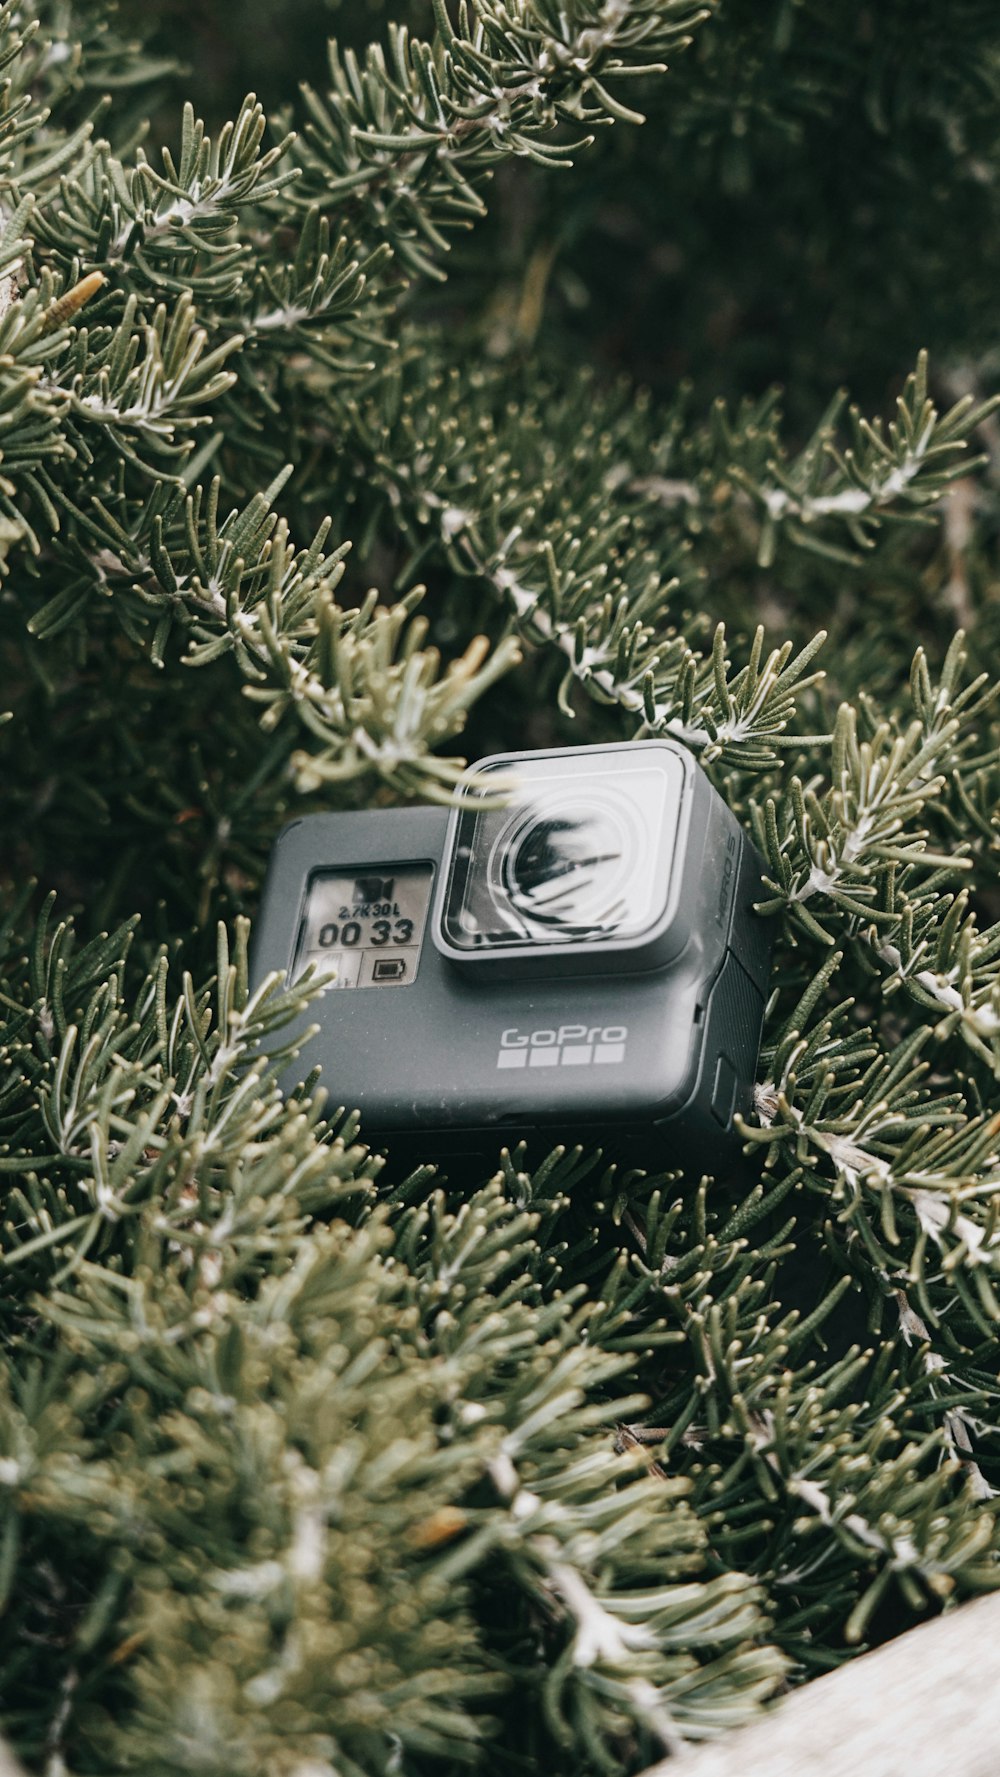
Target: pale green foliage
x: 302, y: 1470
x: 166, y: 1190
x: 861, y: 848
x: 408, y: 135
x: 896, y: 472
x: 200, y: 301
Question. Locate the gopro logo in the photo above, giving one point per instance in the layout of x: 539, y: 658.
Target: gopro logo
x: 572, y: 1045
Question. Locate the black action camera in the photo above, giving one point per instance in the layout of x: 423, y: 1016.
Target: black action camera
x: 580, y: 960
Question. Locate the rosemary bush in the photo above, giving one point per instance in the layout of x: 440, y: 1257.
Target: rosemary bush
x: 433, y: 411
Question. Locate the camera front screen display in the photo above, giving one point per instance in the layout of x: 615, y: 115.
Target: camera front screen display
x: 365, y: 925
x: 580, y: 853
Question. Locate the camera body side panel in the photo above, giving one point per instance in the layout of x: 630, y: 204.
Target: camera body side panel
x: 652, y: 1064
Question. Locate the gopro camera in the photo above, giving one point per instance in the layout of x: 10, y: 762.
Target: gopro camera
x: 572, y: 953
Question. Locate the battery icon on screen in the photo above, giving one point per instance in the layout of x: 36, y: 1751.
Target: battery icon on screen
x: 389, y: 968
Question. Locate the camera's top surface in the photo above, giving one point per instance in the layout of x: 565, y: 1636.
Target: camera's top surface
x: 581, y: 852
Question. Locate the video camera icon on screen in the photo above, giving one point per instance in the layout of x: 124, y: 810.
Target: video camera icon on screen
x: 374, y: 888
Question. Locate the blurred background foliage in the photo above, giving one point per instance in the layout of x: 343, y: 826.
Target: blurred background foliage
x: 813, y: 200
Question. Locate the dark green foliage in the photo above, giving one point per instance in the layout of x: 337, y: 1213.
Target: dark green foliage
x: 301, y: 1471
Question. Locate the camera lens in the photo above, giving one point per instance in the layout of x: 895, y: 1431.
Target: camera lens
x: 565, y: 872
x: 578, y: 853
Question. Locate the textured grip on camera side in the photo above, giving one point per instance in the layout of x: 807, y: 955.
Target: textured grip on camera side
x: 732, y: 1041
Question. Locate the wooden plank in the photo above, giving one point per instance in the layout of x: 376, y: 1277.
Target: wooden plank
x: 924, y: 1705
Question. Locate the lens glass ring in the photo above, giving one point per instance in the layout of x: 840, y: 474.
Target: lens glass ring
x: 580, y: 853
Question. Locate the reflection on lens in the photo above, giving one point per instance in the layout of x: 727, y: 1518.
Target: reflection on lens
x: 580, y: 853
x: 564, y: 873
x: 542, y: 856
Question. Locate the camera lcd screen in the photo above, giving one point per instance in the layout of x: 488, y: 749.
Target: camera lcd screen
x: 366, y: 926
x: 580, y: 854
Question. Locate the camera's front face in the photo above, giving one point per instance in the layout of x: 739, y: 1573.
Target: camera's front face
x: 578, y: 864
x: 575, y: 954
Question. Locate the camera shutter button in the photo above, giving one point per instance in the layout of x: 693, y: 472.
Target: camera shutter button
x: 724, y: 1091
